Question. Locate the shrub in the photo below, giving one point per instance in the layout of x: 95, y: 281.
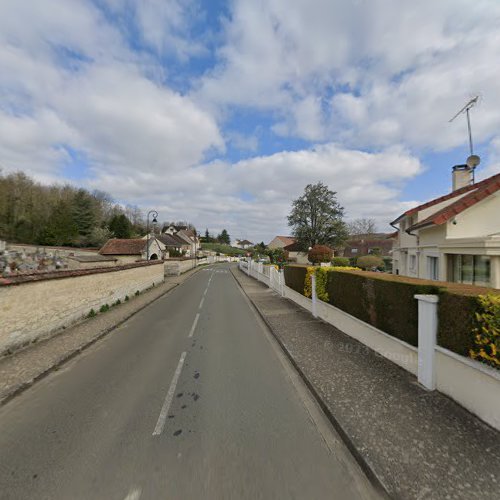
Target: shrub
x: 104, y: 308
x: 340, y: 261
x: 487, y: 331
x: 126, y: 298
x: 137, y: 292
x: 388, y: 305
x: 91, y: 314
x: 117, y: 302
x: 369, y: 262
x: 294, y: 277
x: 320, y: 253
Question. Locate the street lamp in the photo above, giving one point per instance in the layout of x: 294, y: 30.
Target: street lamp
x: 154, y: 221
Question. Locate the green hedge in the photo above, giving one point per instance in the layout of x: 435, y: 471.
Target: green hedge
x: 456, y: 322
x: 294, y: 277
x: 388, y: 305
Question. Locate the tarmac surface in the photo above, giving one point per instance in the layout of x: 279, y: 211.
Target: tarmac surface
x: 189, y: 398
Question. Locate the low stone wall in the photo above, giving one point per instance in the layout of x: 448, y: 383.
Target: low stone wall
x: 36, y: 306
x: 177, y: 267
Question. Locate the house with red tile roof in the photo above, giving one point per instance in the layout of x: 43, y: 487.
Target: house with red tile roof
x: 133, y: 249
x: 281, y: 242
x: 455, y: 237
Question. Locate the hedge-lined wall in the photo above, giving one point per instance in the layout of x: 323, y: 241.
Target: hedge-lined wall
x: 469, y: 316
x: 294, y: 277
x: 387, y: 305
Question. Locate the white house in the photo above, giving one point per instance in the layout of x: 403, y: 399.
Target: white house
x: 187, y: 235
x: 280, y: 242
x: 243, y: 244
x: 455, y: 237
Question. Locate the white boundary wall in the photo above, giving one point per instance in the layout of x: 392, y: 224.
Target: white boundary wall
x: 473, y: 385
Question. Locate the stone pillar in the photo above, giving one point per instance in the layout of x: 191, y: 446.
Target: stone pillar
x: 427, y: 338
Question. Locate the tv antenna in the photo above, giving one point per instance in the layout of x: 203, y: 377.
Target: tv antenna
x: 466, y: 110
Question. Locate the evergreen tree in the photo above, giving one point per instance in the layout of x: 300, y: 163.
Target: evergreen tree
x: 224, y: 238
x: 120, y: 226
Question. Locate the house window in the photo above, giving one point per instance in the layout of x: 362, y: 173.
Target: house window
x: 354, y: 250
x: 413, y: 262
x: 433, y: 268
x: 471, y: 269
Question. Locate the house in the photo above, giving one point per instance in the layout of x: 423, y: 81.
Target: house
x: 243, y: 244
x: 366, y: 244
x: 455, y: 237
x: 189, y: 236
x: 281, y: 242
x: 294, y: 253
x: 133, y: 250
x: 174, y: 244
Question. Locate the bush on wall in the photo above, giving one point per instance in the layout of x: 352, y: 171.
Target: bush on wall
x: 487, y: 331
x: 340, y: 261
x: 294, y: 277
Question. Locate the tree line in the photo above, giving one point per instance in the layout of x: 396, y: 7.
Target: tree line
x: 62, y: 215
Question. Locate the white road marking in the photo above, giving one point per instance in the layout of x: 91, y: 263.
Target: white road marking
x: 194, y: 325
x: 201, y: 303
x: 168, y: 400
x: 134, y: 494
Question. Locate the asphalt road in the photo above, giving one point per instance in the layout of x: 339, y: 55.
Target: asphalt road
x: 189, y: 399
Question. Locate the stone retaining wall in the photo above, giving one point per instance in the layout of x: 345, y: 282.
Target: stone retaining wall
x: 37, y: 306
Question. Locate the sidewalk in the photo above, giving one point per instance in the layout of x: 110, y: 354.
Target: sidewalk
x: 23, y: 368
x: 418, y: 444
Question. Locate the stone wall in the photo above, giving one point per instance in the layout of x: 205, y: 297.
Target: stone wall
x: 37, y: 306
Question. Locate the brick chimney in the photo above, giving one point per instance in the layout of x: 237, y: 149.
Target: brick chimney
x: 462, y: 176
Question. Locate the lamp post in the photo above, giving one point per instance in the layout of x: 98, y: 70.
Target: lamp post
x: 154, y: 221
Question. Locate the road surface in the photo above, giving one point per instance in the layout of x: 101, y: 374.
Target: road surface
x: 189, y: 399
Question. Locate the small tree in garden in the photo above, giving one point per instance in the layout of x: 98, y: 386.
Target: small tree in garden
x: 368, y: 262
x: 320, y: 253
x: 340, y: 261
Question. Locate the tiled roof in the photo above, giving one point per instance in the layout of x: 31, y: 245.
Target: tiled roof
x: 244, y: 242
x: 123, y: 247
x: 287, y: 240
x: 478, y: 192
x: 473, y: 187
x: 172, y: 240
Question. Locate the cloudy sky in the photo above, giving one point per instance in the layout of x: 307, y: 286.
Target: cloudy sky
x: 220, y: 112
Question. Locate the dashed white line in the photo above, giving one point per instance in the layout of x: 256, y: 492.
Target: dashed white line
x: 134, y: 494
x: 201, y: 303
x: 168, y: 400
x: 193, y: 328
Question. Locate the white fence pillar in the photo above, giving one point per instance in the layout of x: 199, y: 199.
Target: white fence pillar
x: 427, y: 336
x: 281, y: 282
x: 313, y: 294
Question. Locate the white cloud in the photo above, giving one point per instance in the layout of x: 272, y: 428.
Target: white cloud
x: 394, y: 71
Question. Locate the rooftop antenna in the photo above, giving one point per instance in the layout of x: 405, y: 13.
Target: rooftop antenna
x: 473, y: 160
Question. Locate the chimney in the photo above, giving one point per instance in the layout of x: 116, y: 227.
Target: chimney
x: 462, y: 176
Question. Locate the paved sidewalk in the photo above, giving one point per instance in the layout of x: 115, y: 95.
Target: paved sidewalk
x: 418, y: 444
x: 21, y: 369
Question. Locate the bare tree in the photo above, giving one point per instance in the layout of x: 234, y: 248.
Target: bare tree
x: 362, y: 226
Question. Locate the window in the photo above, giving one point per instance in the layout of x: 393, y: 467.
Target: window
x: 471, y: 269
x: 354, y: 250
x: 433, y: 268
x: 413, y: 262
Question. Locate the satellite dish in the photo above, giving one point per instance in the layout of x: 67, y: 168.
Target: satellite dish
x: 473, y: 161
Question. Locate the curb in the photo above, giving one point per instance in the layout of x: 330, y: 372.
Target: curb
x: 68, y: 356
x: 372, y: 476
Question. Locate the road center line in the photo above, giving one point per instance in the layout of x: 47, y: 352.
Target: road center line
x: 134, y: 494
x: 168, y: 400
x: 201, y: 303
x: 195, y: 322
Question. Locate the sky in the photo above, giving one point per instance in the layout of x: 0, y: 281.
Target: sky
x: 221, y: 112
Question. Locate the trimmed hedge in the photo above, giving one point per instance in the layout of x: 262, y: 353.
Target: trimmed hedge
x: 294, y: 278
x: 456, y: 322
x: 385, y: 304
